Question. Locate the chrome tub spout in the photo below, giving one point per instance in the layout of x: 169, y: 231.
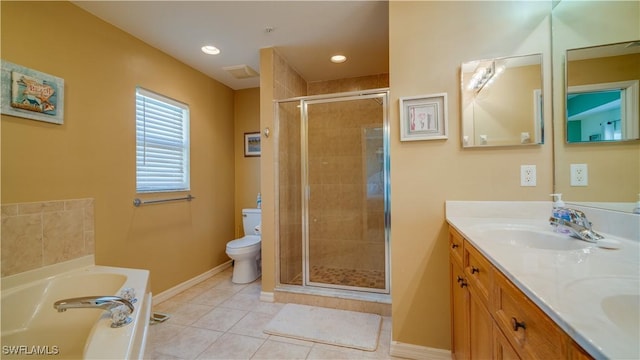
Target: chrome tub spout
x: 118, y: 308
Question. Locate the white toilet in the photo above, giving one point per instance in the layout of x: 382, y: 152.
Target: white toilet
x: 245, y: 251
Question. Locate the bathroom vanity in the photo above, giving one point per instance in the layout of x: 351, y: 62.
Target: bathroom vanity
x: 492, y: 318
x: 521, y: 291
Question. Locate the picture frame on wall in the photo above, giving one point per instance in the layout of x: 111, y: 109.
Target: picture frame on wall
x: 251, y: 144
x: 423, y: 117
x: 31, y: 94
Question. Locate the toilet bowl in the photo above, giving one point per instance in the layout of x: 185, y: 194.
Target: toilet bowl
x: 245, y: 251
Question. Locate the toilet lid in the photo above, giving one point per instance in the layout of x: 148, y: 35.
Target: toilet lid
x: 246, y: 241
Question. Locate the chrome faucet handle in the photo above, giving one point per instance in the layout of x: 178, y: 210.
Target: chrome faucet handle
x: 129, y: 294
x: 120, y: 316
x: 578, y: 217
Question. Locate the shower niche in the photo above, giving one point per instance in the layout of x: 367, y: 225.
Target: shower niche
x: 333, y: 167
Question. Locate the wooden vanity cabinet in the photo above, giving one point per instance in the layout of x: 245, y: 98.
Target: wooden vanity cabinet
x: 459, y: 312
x: 472, y: 324
x: 493, y: 319
x: 502, y: 350
x: 530, y: 331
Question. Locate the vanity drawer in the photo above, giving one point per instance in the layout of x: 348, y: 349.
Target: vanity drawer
x: 456, y: 242
x: 478, y: 271
x: 530, y: 331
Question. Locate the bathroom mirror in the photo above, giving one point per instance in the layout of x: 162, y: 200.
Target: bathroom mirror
x: 502, y: 102
x: 602, y: 93
x: 613, y: 167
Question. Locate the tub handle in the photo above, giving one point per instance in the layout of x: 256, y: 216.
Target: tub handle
x: 120, y: 316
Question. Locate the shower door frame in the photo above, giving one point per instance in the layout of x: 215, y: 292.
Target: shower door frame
x: 383, y: 95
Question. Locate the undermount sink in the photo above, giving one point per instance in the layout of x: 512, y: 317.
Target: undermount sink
x: 531, y: 237
x: 620, y: 302
x: 624, y: 311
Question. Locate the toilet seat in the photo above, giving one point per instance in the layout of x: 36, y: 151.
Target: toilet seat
x: 244, y: 244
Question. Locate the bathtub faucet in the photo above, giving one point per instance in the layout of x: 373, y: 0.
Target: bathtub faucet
x: 119, y: 308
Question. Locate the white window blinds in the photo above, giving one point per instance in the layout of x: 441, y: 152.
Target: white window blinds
x: 162, y: 143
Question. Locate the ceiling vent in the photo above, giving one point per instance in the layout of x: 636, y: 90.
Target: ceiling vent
x: 241, y: 71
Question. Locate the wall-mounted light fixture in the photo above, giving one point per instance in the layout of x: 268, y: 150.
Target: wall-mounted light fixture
x: 483, y: 75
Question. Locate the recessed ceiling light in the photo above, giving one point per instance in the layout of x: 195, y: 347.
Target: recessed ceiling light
x: 211, y: 50
x: 338, y: 59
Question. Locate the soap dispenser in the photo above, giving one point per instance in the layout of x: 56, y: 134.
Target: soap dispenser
x: 560, y: 212
x: 636, y: 210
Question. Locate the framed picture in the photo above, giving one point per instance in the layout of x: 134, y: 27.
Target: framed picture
x: 252, y: 144
x: 423, y: 117
x: 31, y: 94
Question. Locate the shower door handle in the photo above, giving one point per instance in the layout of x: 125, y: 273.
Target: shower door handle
x: 307, y: 192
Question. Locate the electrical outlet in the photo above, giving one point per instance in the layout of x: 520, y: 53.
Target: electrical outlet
x: 579, y: 175
x: 527, y: 175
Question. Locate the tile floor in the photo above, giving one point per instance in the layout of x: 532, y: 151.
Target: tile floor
x: 350, y: 277
x: 217, y: 319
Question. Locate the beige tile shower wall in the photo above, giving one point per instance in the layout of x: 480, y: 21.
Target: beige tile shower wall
x: 45, y: 233
x: 288, y: 84
x: 350, y: 84
x: 343, y: 232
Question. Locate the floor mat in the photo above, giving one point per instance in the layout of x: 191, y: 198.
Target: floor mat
x: 329, y: 326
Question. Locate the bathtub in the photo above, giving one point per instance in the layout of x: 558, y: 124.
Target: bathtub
x: 32, y: 328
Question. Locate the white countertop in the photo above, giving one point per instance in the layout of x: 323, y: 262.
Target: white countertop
x: 580, y: 289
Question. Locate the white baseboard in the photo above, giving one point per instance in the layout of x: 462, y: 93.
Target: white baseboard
x: 267, y: 296
x: 417, y: 352
x: 189, y: 283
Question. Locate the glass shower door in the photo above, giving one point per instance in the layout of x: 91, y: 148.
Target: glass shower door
x: 344, y: 193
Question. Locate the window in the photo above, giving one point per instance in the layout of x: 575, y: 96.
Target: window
x: 162, y: 143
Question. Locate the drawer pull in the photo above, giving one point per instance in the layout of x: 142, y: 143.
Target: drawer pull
x: 460, y: 279
x: 517, y: 325
x: 454, y: 246
x: 474, y: 270
x: 463, y: 284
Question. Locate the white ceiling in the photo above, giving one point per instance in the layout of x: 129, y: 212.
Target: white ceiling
x: 306, y: 33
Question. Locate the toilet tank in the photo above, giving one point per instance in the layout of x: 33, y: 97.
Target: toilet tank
x: 250, y: 219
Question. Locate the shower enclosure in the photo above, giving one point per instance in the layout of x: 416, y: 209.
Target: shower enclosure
x: 333, y: 199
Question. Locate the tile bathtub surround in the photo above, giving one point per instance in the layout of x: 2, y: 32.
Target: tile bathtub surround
x: 38, y: 234
x: 217, y: 319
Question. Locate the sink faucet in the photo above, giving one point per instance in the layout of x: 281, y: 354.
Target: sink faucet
x: 119, y: 308
x: 579, y: 226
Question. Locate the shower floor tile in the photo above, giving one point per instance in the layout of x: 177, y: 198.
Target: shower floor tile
x: 373, y: 279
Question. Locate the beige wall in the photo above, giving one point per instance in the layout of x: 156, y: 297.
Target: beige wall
x: 427, y: 42
x: 93, y: 154
x: 613, y: 168
x: 247, y: 169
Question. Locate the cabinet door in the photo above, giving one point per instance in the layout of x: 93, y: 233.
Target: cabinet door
x: 459, y: 316
x: 480, y: 328
x: 502, y: 350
